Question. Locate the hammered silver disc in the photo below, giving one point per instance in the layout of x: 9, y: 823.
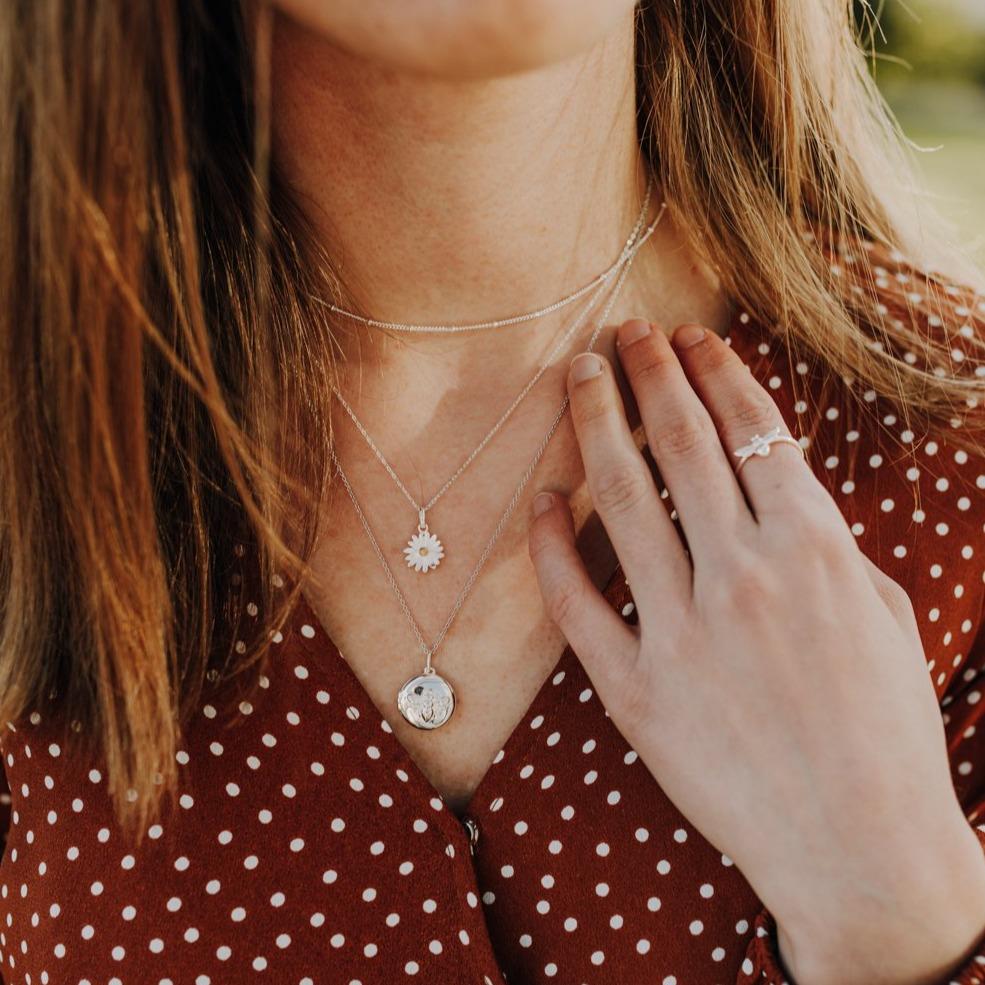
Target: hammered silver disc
x: 426, y: 701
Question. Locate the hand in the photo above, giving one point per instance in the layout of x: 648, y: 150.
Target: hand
x: 776, y: 686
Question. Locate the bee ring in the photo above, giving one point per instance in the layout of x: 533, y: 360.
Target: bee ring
x: 759, y: 444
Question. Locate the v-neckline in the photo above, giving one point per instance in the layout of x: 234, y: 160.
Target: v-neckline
x: 516, y: 741
x: 743, y: 334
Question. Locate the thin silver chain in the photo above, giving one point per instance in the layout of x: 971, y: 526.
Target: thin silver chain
x: 629, y: 251
x: 429, y: 651
x: 600, y: 280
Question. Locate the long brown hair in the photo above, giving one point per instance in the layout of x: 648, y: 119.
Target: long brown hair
x: 157, y: 283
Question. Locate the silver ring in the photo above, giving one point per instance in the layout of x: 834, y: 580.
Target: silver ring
x: 760, y: 445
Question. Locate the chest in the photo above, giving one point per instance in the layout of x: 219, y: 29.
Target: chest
x: 498, y: 652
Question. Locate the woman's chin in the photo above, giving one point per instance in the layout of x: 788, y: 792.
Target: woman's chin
x: 460, y: 39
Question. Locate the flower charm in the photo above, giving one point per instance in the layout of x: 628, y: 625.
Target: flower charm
x: 423, y: 551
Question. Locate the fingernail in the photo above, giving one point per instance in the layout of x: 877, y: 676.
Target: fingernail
x: 543, y: 501
x: 584, y: 366
x: 688, y: 335
x: 632, y: 331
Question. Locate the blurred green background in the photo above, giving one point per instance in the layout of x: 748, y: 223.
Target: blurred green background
x: 930, y: 63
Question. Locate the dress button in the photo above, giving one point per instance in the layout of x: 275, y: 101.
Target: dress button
x: 473, y: 830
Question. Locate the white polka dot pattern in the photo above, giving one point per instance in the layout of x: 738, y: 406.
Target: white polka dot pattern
x: 306, y: 847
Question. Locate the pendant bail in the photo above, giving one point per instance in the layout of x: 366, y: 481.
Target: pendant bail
x: 422, y: 523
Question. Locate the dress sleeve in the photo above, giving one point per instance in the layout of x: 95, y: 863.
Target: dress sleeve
x: 963, y: 710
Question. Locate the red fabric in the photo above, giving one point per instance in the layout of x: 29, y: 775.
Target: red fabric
x: 309, y: 848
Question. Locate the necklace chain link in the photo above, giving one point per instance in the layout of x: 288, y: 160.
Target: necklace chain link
x: 629, y: 250
x: 412, y: 328
x: 429, y: 650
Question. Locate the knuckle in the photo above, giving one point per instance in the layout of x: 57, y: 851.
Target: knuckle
x: 652, y: 364
x: 620, y: 488
x: 824, y: 535
x: 744, y: 584
x: 753, y: 411
x: 820, y: 544
x: 589, y: 405
x: 712, y: 358
x: 564, y: 600
x: 689, y: 436
x: 895, y: 595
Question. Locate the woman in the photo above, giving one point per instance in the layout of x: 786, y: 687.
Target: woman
x: 326, y: 329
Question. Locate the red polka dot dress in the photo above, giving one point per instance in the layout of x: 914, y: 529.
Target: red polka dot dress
x: 306, y: 847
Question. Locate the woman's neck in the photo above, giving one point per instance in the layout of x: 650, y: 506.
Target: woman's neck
x: 449, y: 201
x: 470, y: 200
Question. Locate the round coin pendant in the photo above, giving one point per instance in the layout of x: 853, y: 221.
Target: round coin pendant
x: 426, y: 700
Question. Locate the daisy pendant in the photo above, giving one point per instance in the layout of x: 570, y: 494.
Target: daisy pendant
x: 423, y: 551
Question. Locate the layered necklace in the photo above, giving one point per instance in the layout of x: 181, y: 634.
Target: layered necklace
x: 427, y: 700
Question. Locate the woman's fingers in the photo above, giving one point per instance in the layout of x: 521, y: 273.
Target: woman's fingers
x: 602, y: 640
x: 621, y: 486
x: 741, y: 410
x: 684, y: 442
